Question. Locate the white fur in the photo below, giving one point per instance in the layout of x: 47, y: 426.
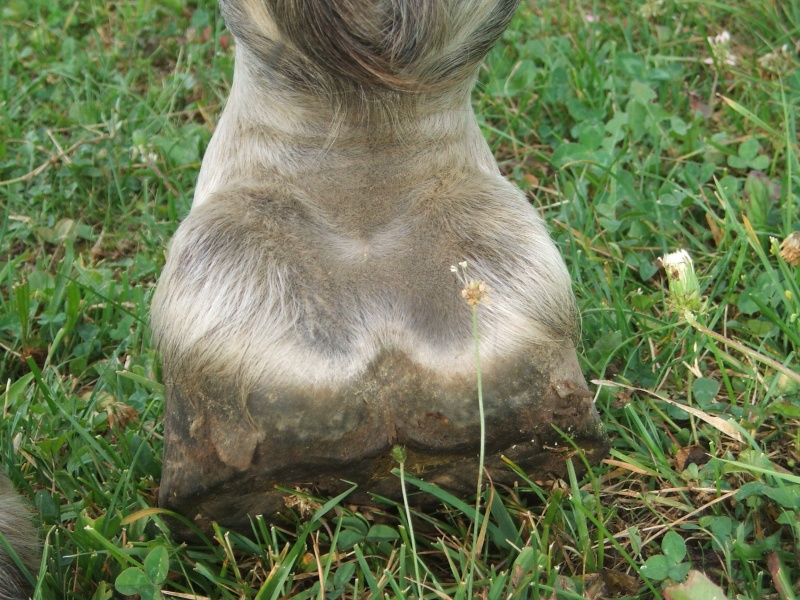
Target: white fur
x: 303, y: 256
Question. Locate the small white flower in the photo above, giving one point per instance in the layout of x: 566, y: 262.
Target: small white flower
x: 144, y: 153
x: 721, y: 50
x: 722, y: 38
x: 778, y: 62
x: 652, y: 9
x: 790, y: 248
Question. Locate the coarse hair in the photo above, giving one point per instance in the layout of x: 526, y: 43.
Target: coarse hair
x: 21, y: 536
x: 376, y: 51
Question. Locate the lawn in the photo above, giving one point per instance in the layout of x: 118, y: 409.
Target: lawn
x: 637, y: 128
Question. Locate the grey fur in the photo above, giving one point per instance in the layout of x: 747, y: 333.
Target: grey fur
x: 346, y: 174
x: 16, y: 527
x: 296, y: 179
x: 342, y: 45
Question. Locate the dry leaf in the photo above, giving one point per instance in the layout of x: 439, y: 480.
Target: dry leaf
x: 718, y: 423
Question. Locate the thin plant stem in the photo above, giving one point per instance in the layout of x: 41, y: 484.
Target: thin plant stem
x: 741, y: 348
x: 481, y: 453
x: 417, y: 580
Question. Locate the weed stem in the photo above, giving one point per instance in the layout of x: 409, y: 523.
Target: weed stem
x: 417, y: 580
x: 481, y: 453
x: 740, y: 347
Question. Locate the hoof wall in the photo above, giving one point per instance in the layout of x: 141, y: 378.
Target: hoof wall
x: 226, y: 457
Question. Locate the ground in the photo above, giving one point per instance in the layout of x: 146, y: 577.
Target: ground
x: 637, y: 129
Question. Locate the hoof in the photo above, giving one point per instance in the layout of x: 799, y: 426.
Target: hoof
x: 227, y: 458
x: 307, y: 313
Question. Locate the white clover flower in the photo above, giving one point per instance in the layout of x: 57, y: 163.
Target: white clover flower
x: 144, y: 152
x: 652, y: 9
x: 722, y: 38
x: 778, y: 62
x: 790, y: 248
x: 721, y: 50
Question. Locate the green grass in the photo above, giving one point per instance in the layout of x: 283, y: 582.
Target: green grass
x: 630, y: 142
